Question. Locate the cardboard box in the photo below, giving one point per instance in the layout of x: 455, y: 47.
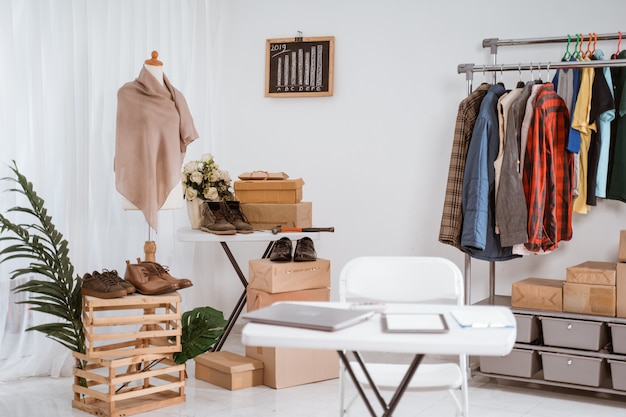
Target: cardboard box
x: 258, y: 298
x: 286, y: 367
x: 538, y: 294
x: 592, y: 272
x: 621, y: 255
x: 277, y: 277
x: 620, y: 290
x: 264, y: 216
x: 271, y: 191
x: 589, y: 299
x: 229, y: 370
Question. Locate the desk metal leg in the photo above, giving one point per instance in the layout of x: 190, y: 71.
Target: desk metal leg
x: 400, y: 390
x: 242, y: 299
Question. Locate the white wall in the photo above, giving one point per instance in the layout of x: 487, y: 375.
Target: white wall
x: 375, y: 155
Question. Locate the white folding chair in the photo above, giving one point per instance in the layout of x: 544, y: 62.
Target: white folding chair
x: 406, y: 279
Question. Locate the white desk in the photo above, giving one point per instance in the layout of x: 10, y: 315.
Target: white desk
x: 187, y: 234
x: 369, y: 336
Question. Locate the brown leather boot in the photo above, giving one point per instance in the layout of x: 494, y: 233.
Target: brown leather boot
x: 163, y: 273
x: 147, y: 281
x: 220, y: 225
x: 237, y: 218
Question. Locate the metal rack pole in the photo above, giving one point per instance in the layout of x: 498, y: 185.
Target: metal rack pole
x: 493, y: 43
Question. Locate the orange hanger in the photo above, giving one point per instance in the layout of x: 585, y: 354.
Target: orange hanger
x: 595, y: 41
x: 589, y: 52
x: 154, y: 61
x: 580, y: 46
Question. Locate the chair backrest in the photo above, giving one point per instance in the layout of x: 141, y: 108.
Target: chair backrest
x: 401, y: 279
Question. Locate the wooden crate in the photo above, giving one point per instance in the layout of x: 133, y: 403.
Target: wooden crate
x: 125, y: 386
x: 132, y: 325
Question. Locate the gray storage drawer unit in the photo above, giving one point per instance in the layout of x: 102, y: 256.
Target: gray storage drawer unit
x: 520, y: 362
x: 574, y: 369
x: 576, y: 334
x: 618, y: 337
x: 618, y: 374
x: 527, y: 328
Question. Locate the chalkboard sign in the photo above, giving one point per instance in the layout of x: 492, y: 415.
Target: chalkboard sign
x: 299, y: 67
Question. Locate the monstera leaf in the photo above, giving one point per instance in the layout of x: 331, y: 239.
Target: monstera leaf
x: 201, y: 329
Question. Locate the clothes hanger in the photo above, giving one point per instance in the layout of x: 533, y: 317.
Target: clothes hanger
x: 619, y: 42
x: 567, y: 55
x: 581, y: 53
x: 520, y: 83
x: 576, y: 51
x: 595, y: 41
x: 154, y: 61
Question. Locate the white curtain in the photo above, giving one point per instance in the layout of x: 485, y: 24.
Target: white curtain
x: 61, y: 64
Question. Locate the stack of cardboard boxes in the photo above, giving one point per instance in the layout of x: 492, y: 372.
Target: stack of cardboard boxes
x: 269, y: 203
x: 591, y: 287
x: 271, y: 282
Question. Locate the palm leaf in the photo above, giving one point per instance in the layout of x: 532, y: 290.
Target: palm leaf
x: 46, y: 254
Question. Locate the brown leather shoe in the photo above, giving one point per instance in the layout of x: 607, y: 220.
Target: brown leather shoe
x: 147, y: 281
x: 94, y: 285
x: 163, y: 273
x: 113, y: 276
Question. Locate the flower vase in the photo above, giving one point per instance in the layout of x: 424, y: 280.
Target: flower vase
x: 194, y: 211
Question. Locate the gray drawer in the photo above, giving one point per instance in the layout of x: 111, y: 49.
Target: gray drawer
x: 527, y: 328
x: 618, y: 374
x: 576, y: 334
x: 618, y: 337
x: 520, y: 362
x: 573, y: 369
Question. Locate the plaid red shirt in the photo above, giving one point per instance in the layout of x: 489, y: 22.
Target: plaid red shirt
x: 548, y: 173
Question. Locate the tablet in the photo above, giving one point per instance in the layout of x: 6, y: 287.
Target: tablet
x: 414, y: 323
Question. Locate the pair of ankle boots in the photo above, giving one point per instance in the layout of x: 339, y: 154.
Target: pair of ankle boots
x: 224, y: 218
x: 151, y: 278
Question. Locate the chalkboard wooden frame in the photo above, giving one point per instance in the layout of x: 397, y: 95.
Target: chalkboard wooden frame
x: 299, y: 67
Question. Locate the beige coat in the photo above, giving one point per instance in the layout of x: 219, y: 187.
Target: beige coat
x: 154, y: 127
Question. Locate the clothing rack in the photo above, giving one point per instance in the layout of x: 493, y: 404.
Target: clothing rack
x: 470, y: 69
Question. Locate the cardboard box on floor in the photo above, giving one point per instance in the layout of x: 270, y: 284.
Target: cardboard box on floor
x: 277, y: 277
x: 229, y: 370
x: 264, y: 216
x: 287, y: 367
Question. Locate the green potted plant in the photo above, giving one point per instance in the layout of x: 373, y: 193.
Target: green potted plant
x: 56, y: 288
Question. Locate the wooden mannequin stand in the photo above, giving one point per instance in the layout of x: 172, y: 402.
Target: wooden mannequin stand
x: 149, y: 249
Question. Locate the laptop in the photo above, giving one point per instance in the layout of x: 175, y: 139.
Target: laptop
x: 306, y: 316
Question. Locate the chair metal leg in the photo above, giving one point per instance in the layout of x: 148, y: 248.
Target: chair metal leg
x: 390, y: 407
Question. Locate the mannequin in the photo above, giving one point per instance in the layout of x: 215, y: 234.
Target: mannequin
x: 132, y: 138
x: 174, y: 199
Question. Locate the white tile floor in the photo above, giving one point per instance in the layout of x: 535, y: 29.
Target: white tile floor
x: 50, y: 397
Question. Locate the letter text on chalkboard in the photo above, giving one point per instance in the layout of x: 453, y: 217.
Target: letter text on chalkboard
x: 299, y: 67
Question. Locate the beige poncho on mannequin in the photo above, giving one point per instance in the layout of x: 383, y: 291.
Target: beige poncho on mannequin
x: 154, y: 127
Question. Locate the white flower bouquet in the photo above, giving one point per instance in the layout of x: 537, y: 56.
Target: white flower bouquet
x: 205, y: 180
